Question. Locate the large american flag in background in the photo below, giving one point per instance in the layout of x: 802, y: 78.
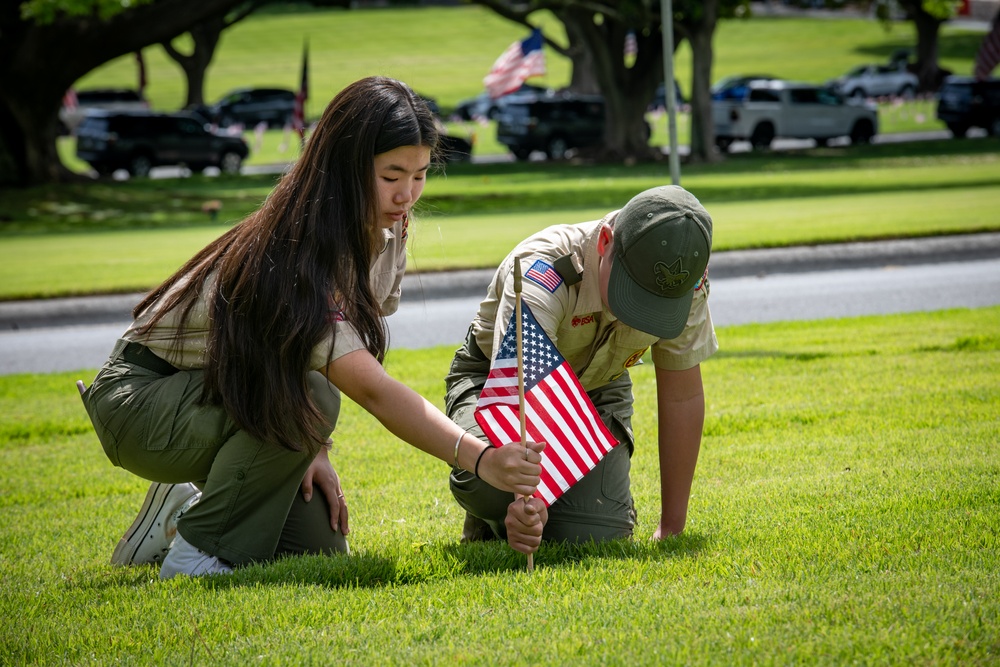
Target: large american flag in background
x: 521, y: 60
x: 558, y: 411
x: 989, y: 51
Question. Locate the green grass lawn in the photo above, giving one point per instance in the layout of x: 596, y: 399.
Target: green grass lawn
x: 113, y: 237
x: 844, y: 512
x: 845, y: 505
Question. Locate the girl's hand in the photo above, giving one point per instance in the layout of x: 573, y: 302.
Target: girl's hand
x: 513, y: 468
x: 322, y: 474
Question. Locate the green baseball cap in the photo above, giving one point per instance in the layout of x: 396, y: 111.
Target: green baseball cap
x: 662, y: 240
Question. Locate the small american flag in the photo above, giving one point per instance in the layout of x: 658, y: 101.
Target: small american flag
x: 558, y: 411
x: 989, y: 52
x: 543, y: 274
x: 521, y: 60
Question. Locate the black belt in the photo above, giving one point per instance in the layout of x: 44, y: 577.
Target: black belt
x: 140, y: 355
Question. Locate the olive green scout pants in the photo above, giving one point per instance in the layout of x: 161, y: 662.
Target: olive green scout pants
x: 598, y: 507
x: 148, y: 418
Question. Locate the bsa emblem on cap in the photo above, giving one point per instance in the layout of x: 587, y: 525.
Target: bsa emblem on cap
x: 670, y: 277
x: 665, y: 229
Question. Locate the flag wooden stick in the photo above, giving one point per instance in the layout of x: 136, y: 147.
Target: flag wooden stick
x: 520, y: 373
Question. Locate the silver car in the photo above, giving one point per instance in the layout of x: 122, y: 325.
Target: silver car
x: 876, y: 81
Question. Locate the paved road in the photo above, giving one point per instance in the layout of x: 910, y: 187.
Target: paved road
x: 747, y: 286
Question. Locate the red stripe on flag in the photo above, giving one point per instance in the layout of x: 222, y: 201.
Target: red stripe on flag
x: 558, y: 453
x: 989, y: 52
x: 501, y: 384
x: 600, y: 439
x: 500, y: 423
x: 583, y: 427
x: 549, y: 405
x: 515, y: 65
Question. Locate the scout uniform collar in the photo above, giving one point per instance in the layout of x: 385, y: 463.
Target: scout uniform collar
x: 589, y: 300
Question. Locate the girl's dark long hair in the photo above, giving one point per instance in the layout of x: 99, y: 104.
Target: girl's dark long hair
x: 306, y: 251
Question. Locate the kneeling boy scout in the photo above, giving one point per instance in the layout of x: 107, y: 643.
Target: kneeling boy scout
x: 605, y: 292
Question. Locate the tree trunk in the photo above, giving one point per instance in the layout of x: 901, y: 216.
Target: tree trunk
x: 927, y: 68
x: 928, y: 26
x: 205, y: 37
x: 582, y: 79
x: 626, y: 90
x: 38, y: 63
x: 699, y: 32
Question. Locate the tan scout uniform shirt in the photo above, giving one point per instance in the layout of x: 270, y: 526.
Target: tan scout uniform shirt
x: 590, y: 337
x: 185, y: 347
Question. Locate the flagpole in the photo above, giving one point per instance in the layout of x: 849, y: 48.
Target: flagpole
x: 520, y: 374
x: 667, y: 28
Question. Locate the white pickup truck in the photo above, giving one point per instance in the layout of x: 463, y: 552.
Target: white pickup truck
x: 772, y: 109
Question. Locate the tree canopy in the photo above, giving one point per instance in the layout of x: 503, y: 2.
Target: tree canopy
x: 44, y: 12
x: 46, y: 45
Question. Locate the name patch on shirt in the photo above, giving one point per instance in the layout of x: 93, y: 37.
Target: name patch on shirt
x: 543, y: 274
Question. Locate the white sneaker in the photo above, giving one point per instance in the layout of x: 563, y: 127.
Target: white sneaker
x: 148, y: 538
x: 185, y: 558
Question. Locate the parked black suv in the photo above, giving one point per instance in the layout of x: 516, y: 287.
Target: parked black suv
x: 551, y: 123
x: 139, y: 141
x: 108, y: 99
x: 249, y: 106
x: 964, y: 102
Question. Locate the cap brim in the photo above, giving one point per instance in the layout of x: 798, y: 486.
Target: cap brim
x: 664, y: 317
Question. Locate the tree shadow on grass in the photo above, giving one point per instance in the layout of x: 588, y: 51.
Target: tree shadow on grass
x: 333, y: 571
x: 401, y: 565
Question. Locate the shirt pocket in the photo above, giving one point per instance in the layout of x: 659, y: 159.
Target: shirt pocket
x: 624, y: 349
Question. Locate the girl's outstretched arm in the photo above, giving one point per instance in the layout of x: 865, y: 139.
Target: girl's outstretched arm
x: 412, y: 418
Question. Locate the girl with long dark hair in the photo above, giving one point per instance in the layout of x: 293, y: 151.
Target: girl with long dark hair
x: 226, y: 387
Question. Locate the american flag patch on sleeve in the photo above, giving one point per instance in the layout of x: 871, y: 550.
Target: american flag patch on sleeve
x: 543, y: 274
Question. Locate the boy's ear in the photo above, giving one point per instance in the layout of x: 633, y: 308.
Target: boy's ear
x: 604, y: 238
